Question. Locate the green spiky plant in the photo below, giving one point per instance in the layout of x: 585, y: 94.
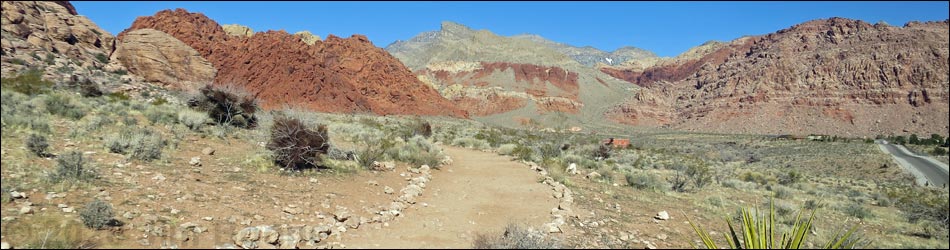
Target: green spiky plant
x: 759, y: 233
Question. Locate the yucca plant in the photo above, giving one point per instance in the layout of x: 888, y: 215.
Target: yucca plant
x: 759, y: 233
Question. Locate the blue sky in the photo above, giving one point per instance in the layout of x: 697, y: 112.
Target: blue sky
x: 666, y: 28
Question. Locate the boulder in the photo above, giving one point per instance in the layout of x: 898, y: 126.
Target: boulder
x: 268, y: 234
x: 247, y: 238
x: 163, y: 59
x: 307, y: 37
x: 383, y: 166
x: 237, y: 30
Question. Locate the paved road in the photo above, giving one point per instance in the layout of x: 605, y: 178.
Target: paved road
x: 936, y: 174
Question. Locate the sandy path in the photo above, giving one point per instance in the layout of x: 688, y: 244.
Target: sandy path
x: 479, y: 192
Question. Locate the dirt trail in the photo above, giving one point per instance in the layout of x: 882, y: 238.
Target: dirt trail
x: 479, y: 192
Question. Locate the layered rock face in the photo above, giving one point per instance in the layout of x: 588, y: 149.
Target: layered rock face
x: 39, y: 28
x: 491, y: 88
x: 163, y: 59
x: 335, y: 75
x: 833, y: 76
x: 502, y: 79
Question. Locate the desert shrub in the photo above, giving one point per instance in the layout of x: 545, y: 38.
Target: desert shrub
x: 731, y: 183
x: 645, y: 181
x: 141, y: 144
x: 96, y: 122
x: 413, y: 127
x: 37, y: 144
x: 813, y: 204
x: 118, y: 97
x: 582, y: 162
x: 515, y: 237
x: 347, y: 131
x: 337, y: 153
x: 160, y: 115
x: 88, y: 88
x: 72, y: 166
x: 130, y: 121
x: 603, y: 152
x: 715, y: 201
x: 97, y: 215
x: 678, y: 181
x: 524, y: 153
x: 507, y: 149
x: 373, y: 151
x: 29, y: 82
x: 920, y: 204
x: 754, y: 177
x: 226, y: 105
x: 47, y: 231
x: 857, y: 211
x: 194, y: 120
x: 939, y: 151
x: 548, y: 150
x: 419, y: 151
x: 20, y: 111
x: 103, y: 58
x: 472, y: 143
x: 159, y: 101
x: 699, y: 174
x: 784, y: 208
x: 296, y: 146
x: 342, y: 166
x: 790, y: 177
x: 781, y: 192
x: 63, y: 105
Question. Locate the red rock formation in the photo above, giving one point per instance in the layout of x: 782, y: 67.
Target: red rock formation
x: 832, y: 76
x: 552, y: 88
x: 69, y: 7
x: 336, y: 75
x: 677, y: 71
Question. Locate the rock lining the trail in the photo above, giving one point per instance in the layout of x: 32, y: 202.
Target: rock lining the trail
x: 565, y: 198
x: 316, y: 236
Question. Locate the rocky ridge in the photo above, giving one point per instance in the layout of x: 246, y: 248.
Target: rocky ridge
x: 831, y: 76
x: 335, y: 75
x: 504, y: 80
x: 590, y: 56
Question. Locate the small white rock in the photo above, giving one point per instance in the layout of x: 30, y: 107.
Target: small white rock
x: 195, y: 161
x: 662, y: 215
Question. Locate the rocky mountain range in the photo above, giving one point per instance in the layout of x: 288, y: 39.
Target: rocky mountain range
x: 509, y: 80
x: 832, y: 76
x: 590, y: 56
x: 829, y: 76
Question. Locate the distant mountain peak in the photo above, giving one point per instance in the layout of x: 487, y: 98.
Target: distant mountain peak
x: 453, y: 27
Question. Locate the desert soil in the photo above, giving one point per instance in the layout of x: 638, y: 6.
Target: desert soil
x: 480, y: 192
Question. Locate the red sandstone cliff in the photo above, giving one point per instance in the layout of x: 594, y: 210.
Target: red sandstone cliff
x: 836, y: 76
x: 335, y: 75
